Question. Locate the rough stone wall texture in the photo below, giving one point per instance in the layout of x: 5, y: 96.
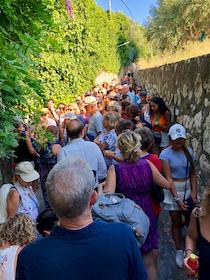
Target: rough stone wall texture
x: 185, y: 86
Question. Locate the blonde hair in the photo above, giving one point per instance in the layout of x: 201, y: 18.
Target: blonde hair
x: 112, y: 119
x: 129, y: 144
x: 19, y: 230
x: 205, y: 203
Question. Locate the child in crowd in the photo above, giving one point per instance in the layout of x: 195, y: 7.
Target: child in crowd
x: 106, y: 140
x: 45, y: 222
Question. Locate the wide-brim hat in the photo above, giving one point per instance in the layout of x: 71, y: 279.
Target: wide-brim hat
x: 90, y: 100
x: 26, y: 171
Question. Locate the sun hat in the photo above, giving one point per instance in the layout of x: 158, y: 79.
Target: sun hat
x: 26, y: 171
x: 177, y: 131
x: 90, y: 100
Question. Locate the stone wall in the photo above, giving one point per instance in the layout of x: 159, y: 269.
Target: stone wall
x: 185, y: 86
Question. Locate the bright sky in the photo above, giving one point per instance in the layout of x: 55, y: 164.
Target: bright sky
x: 139, y: 8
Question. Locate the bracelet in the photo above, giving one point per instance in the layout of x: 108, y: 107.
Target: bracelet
x: 186, y: 250
x: 176, y: 198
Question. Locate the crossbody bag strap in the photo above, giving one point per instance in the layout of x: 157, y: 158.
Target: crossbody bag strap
x: 117, y: 177
x: 186, y: 173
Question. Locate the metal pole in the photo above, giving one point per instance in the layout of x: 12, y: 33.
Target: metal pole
x: 110, y: 6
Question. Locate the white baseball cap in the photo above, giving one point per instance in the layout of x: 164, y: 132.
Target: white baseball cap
x: 26, y: 171
x: 177, y: 131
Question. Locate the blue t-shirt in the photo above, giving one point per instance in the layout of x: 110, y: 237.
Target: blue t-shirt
x: 99, y: 251
x: 132, y: 95
x: 95, y: 124
x: 177, y: 161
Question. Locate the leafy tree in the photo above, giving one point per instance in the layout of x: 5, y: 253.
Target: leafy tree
x: 174, y: 22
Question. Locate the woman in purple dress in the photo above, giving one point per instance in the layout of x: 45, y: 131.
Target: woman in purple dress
x: 134, y: 177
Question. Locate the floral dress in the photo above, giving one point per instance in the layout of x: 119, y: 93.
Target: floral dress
x: 110, y: 138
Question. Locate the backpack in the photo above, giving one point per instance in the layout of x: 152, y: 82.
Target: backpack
x: 114, y: 207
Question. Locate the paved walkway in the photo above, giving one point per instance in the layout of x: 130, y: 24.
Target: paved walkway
x: 167, y: 265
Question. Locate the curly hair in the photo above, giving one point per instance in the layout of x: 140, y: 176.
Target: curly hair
x: 19, y: 230
x: 129, y: 144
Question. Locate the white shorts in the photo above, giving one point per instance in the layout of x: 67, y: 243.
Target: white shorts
x: 169, y: 203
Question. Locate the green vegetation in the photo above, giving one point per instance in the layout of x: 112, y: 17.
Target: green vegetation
x: 177, y: 30
x: 45, y: 53
x: 173, y: 23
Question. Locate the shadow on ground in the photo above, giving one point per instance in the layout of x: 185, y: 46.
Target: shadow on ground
x: 167, y: 265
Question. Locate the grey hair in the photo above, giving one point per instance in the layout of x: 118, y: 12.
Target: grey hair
x: 69, y: 186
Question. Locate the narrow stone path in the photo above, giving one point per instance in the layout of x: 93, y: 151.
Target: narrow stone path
x: 167, y: 265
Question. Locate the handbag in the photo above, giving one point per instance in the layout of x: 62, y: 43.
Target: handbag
x: 157, y: 193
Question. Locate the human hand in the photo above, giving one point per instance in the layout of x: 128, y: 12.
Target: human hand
x: 108, y: 154
x: 96, y: 141
x: 189, y: 271
x: 50, y: 106
x: 27, y: 133
x: 182, y: 206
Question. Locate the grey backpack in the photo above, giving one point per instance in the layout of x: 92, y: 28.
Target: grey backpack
x: 114, y: 207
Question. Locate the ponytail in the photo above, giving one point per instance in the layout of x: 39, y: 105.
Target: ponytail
x: 189, y: 158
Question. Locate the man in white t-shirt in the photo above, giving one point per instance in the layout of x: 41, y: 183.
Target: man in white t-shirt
x: 95, y: 125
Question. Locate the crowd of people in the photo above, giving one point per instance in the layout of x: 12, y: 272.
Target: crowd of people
x: 117, y: 138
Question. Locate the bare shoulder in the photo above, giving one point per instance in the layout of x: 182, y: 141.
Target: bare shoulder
x: 13, y: 194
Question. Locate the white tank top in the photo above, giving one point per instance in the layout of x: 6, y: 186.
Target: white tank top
x: 8, y: 262
x: 4, y: 191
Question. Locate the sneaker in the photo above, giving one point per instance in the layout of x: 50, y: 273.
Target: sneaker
x: 179, y: 258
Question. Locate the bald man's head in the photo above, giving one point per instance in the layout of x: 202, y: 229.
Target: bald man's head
x: 74, y: 128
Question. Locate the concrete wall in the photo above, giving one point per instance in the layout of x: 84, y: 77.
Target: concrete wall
x: 185, y: 86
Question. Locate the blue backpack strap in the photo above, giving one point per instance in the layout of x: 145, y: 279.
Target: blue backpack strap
x: 117, y: 177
